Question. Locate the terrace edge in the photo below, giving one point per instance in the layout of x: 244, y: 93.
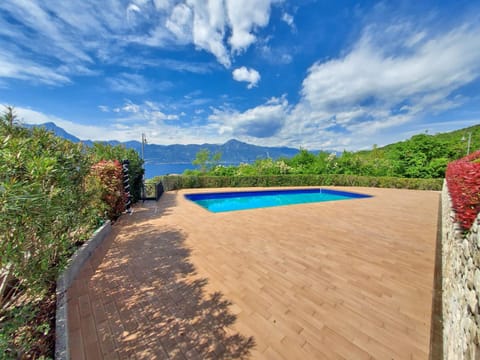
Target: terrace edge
x: 64, y: 281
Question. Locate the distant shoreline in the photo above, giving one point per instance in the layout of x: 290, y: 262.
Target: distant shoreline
x: 159, y: 169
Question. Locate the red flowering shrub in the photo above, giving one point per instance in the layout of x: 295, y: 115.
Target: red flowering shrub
x: 109, y: 173
x: 463, y: 180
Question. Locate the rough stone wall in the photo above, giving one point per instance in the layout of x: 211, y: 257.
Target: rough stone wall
x: 460, y: 285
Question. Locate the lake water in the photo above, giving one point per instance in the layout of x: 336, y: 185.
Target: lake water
x: 152, y: 169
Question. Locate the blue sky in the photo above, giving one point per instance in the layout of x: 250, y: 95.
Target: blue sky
x: 314, y: 74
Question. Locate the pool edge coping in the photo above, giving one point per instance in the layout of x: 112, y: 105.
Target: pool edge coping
x: 197, y: 196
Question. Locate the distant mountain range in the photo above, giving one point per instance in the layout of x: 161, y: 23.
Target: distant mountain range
x: 233, y: 151
x: 56, y: 130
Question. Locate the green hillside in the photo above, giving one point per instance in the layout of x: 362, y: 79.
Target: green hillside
x: 421, y: 156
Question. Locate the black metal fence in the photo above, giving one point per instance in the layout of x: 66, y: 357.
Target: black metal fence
x: 158, y: 190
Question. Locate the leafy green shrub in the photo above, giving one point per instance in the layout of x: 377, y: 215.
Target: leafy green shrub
x: 110, y: 176
x: 149, y: 189
x: 45, y: 209
x: 44, y: 206
x: 221, y: 170
x: 101, y: 151
x: 206, y: 161
x: 51, y: 199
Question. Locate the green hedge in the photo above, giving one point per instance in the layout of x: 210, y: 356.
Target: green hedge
x: 149, y: 189
x: 188, y: 182
x: 50, y: 203
x: 46, y: 208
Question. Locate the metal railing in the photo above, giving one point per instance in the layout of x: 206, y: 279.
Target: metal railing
x: 158, y: 190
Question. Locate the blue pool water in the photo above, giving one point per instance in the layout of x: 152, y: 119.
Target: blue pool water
x: 231, y: 201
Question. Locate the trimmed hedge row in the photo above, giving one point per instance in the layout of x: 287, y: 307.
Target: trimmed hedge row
x: 463, y: 180
x: 186, y: 182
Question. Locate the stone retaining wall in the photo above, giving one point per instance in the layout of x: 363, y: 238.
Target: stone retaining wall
x: 460, y: 285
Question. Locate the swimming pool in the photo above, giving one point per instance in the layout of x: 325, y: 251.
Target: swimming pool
x: 243, y: 200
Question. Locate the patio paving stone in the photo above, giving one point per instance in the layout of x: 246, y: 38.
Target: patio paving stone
x: 336, y: 280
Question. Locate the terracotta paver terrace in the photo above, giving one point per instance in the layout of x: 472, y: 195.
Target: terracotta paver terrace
x: 335, y: 280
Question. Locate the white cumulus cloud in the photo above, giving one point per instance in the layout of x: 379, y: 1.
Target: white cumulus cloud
x: 288, y: 19
x: 180, y: 23
x: 441, y: 64
x: 74, y: 36
x: 243, y: 17
x: 157, y: 130
x: 263, y: 121
x: 391, y: 76
x: 209, y: 28
x: 251, y: 76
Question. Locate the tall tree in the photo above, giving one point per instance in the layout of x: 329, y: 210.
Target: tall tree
x: 205, y: 160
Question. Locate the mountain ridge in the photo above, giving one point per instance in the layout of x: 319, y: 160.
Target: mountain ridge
x: 233, y: 150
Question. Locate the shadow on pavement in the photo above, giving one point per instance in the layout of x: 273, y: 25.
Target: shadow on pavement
x: 155, y: 304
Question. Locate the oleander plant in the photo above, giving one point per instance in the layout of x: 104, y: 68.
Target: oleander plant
x: 53, y: 194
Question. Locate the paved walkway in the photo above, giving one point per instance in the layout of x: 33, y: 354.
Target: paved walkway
x: 337, y: 280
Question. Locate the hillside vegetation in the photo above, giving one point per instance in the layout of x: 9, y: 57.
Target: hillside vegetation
x: 422, y: 156
x: 53, y: 194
